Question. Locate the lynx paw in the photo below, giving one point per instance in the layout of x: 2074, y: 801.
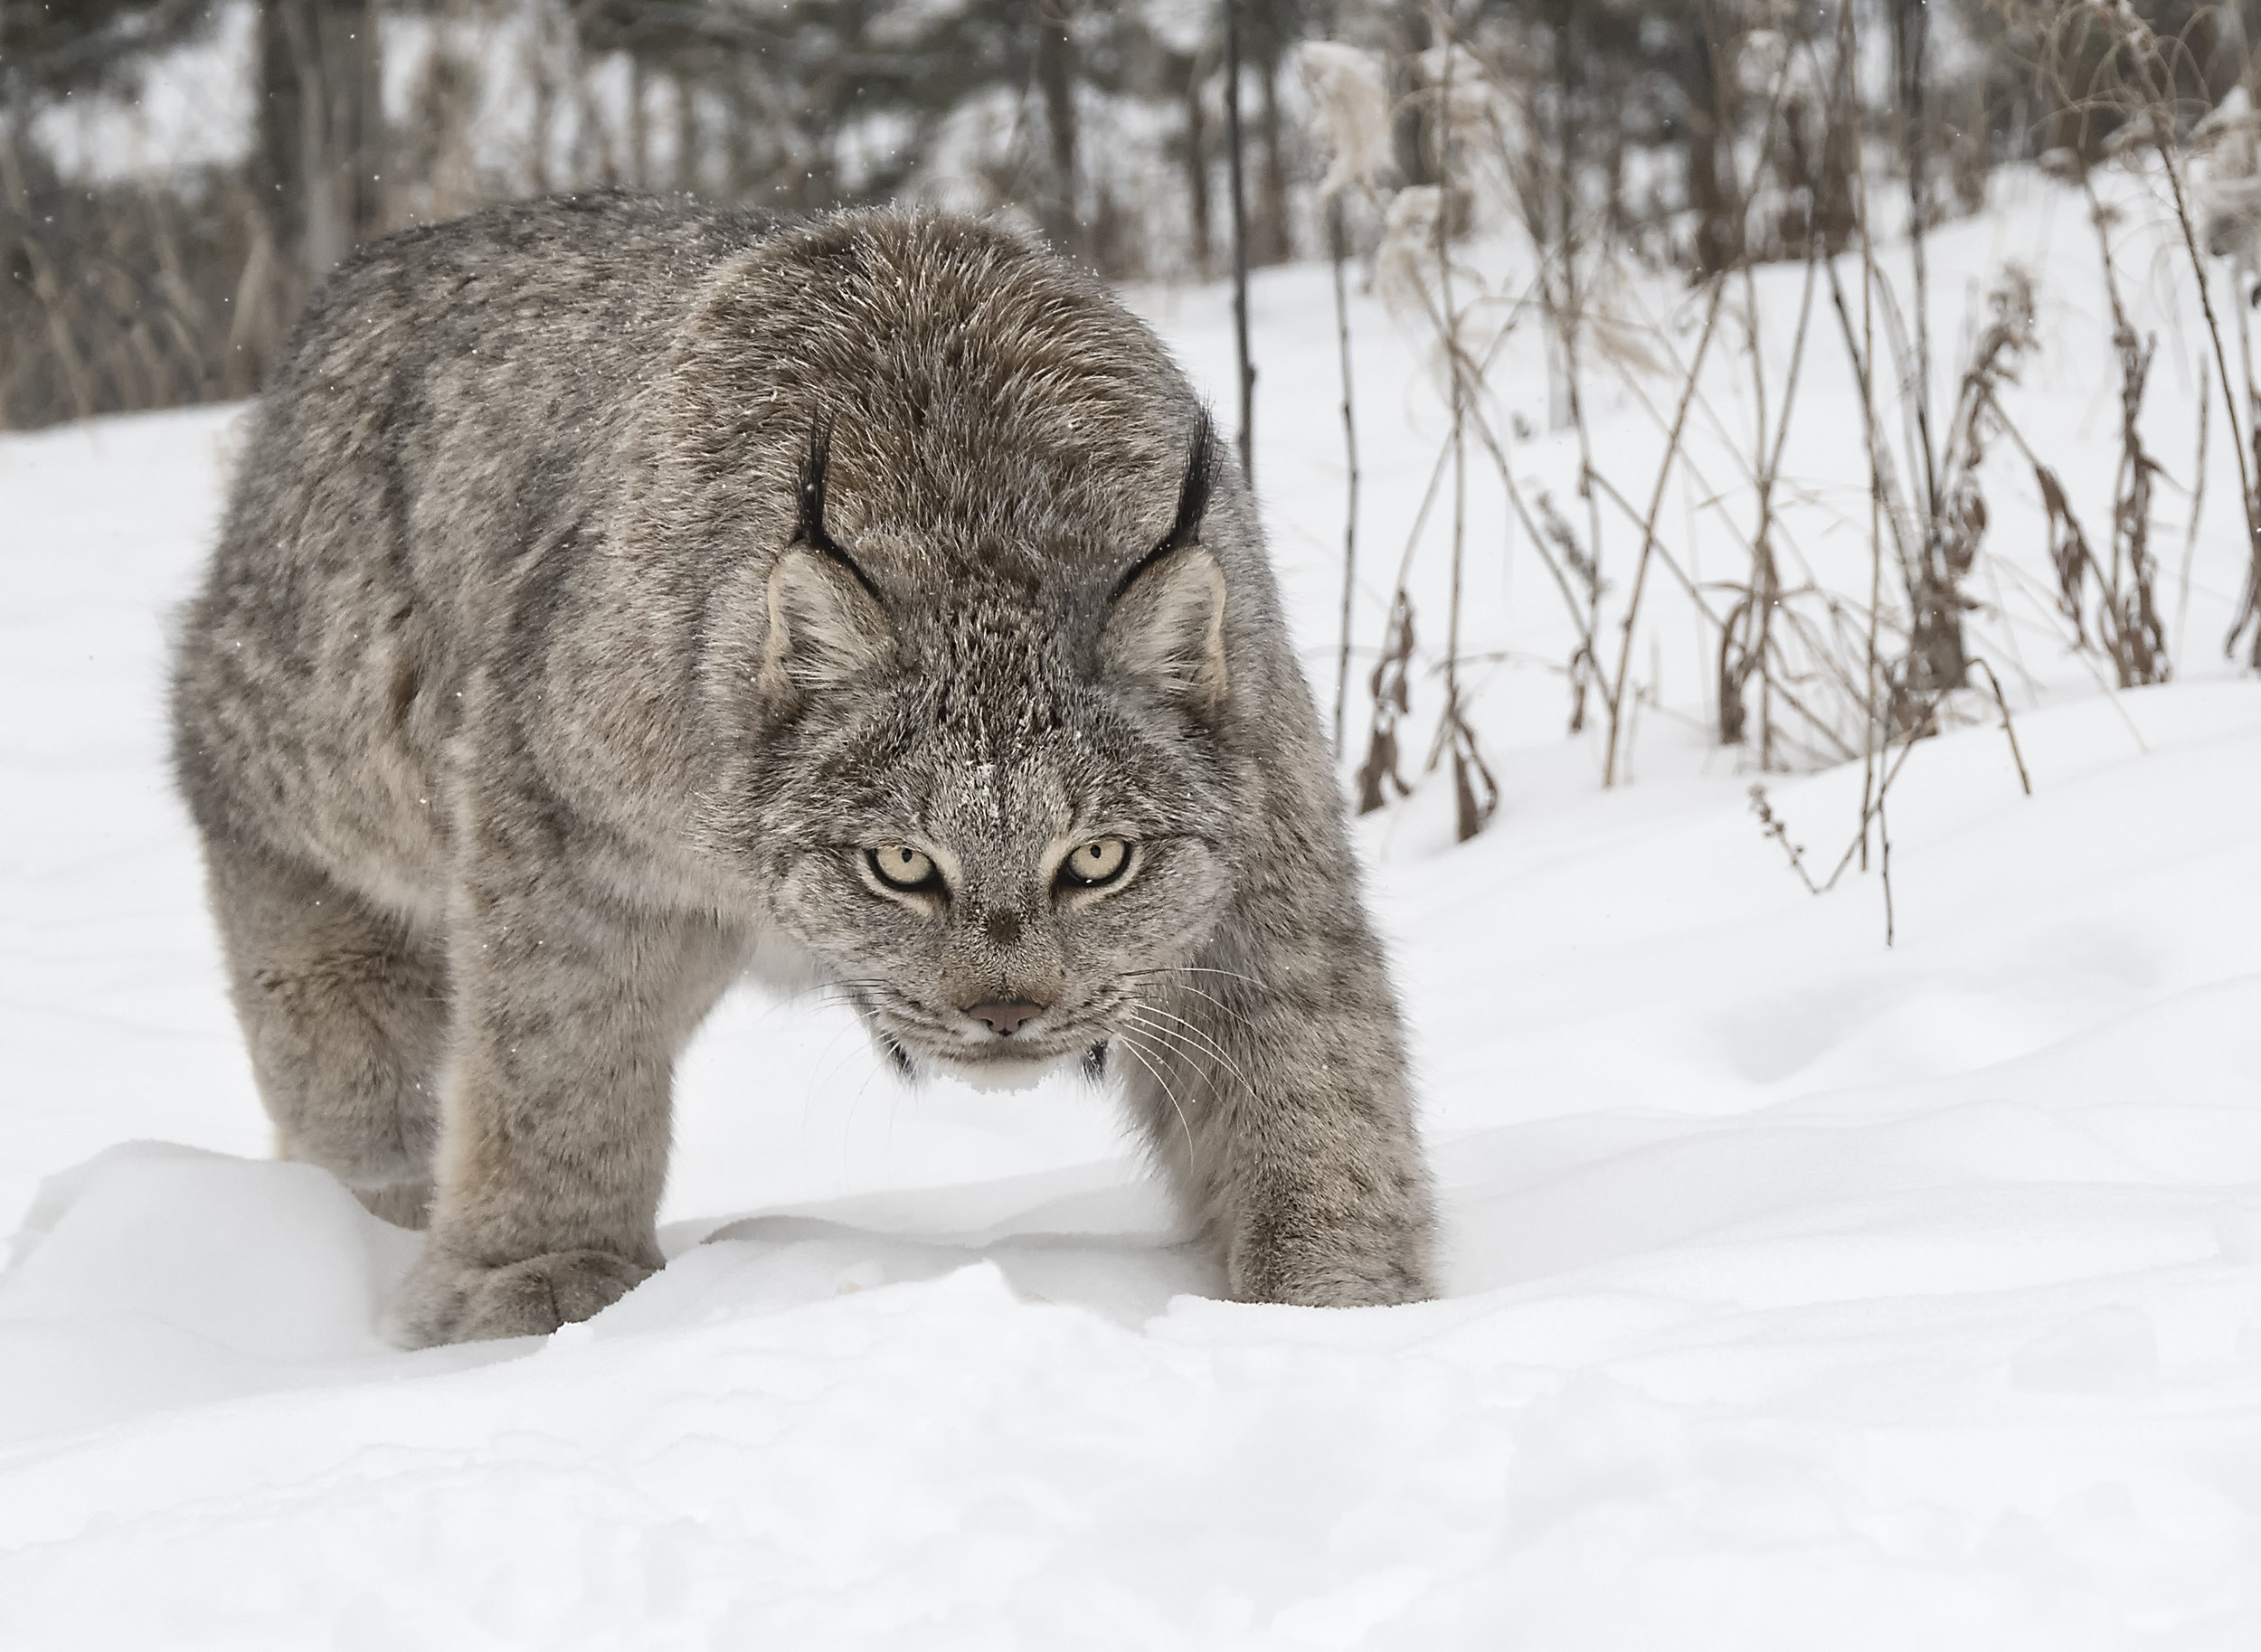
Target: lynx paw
x: 447, y: 1300
x: 1348, y: 1286
x: 1385, y: 1269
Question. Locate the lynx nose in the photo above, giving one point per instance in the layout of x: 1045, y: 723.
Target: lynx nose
x: 1005, y: 1016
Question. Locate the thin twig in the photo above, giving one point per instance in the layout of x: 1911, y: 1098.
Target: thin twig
x: 1335, y: 240
x: 1648, y: 532
x: 2025, y: 781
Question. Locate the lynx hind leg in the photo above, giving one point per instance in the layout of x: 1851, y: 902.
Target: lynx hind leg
x: 344, y: 1011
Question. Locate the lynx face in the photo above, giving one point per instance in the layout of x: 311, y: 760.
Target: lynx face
x: 1009, y: 812
x: 1003, y: 904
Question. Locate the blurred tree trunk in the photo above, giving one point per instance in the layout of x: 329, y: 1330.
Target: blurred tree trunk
x: 541, y: 72
x: 1718, y: 226
x: 320, y: 134
x: 1197, y: 161
x: 1273, y: 245
x: 1561, y: 230
x: 1055, y: 72
x: 639, y: 125
x: 686, y: 163
x: 1410, y: 28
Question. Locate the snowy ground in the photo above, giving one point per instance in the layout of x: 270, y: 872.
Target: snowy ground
x: 1802, y: 1292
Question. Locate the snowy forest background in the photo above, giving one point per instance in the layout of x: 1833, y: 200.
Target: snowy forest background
x: 174, y: 173
x: 175, y: 178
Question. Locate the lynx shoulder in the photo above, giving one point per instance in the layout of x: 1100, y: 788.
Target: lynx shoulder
x: 609, y: 584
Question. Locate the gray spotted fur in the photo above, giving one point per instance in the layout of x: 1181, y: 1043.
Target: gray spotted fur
x: 513, y: 718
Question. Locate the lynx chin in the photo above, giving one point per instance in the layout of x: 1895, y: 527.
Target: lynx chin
x: 610, y: 586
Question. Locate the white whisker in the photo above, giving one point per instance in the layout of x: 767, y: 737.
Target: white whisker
x: 1209, y: 998
x: 1192, y: 1040
x: 1168, y: 1095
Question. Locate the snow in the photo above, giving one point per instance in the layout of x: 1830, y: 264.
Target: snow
x: 1802, y: 1290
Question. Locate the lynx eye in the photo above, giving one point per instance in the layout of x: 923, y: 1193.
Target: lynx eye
x: 1101, y: 861
x: 900, y: 867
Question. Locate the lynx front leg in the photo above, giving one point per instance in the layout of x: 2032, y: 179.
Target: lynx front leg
x: 1271, y: 1081
x: 343, y: 1008
x: 570, y: 1010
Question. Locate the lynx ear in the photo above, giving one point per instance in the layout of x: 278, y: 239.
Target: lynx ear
x: 826, y: 625
x: 1166, y: 631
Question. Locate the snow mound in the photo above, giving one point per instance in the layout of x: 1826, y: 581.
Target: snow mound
x: 1972, y: 1374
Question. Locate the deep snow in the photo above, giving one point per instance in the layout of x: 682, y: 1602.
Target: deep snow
x: 1801, y: 1292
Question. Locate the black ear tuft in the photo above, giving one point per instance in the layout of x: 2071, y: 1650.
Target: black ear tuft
x: 827, y: 623
x: 809, y: 528
x: 1193, y: 489
x: 1193, y: 505
x: 1165, y: 627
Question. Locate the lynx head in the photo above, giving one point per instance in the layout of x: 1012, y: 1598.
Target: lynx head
x: 997, y: 809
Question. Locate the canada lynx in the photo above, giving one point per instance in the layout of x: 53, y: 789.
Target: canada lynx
x: 610, y: 584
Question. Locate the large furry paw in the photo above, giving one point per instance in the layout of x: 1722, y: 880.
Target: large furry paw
x: 447, y: 1300
x: 1387, y: 1269
x: 1346, y: 1287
